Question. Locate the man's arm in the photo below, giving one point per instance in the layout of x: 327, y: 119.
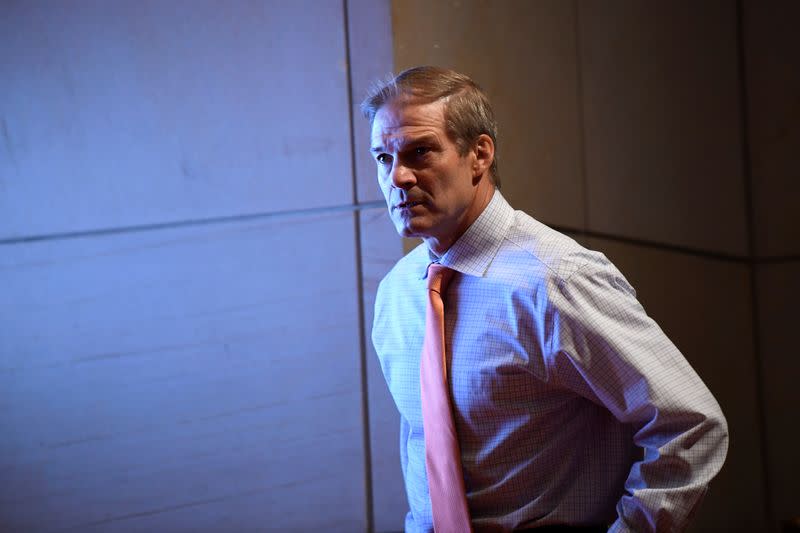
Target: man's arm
x: 404, y: 430
x: 606, y: 348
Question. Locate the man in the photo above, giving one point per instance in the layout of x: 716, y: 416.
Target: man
x: 571, y: 408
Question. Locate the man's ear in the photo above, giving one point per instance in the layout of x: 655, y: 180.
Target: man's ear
x: 484, y: 155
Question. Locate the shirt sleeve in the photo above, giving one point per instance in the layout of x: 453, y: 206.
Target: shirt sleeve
x: 404, y: 431
x: 606, y: 348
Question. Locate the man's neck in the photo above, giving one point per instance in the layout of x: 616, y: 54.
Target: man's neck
x: 438, y: 247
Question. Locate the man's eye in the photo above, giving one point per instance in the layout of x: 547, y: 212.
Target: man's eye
x: 421, y: 150
x: 383, y: 159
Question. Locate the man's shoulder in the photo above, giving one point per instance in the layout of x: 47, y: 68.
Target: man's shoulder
x: 532, y: 244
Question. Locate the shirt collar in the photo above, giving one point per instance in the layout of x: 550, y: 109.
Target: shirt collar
x: 473, y: 252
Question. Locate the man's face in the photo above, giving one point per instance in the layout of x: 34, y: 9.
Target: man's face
x: 430, y: 190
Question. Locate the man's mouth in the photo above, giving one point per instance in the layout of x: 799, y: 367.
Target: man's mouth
x: 407, y: 204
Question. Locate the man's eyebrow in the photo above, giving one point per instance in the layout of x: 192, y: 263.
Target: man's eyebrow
x: 408, y: 141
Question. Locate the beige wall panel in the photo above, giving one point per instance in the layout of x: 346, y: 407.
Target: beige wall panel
x: 662, y: 129
x: 125, y: 113
x: 370, y: 27
x: 524, y: 55
x: 704, y: 306
x: 772, y: 46
x: 779, y: 292
x: 380, y: 249
x: 191, y: 379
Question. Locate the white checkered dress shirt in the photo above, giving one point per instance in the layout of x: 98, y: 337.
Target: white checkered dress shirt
x: 571, y: 405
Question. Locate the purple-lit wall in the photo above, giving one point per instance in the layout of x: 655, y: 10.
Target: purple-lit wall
x: 180, y: 279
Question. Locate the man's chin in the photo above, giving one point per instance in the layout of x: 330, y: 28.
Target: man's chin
x: 411, y: 231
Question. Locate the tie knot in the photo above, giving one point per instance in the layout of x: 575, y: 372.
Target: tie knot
x: 439, y: 277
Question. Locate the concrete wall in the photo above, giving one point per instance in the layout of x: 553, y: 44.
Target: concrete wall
x: 181, y: 329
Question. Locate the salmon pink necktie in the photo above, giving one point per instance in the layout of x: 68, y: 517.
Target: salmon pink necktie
x: 442, y: 455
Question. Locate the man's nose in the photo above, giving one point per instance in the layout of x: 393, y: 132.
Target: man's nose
x: 402, y: 177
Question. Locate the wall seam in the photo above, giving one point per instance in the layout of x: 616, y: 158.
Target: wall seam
x: 752, y: 254
x: 579, y: 93
x: 665, y: 247
x: 366, y: 436
x: 176, y: 224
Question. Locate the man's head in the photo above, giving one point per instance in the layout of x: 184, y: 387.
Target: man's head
x: 433, y: 138
x: 467, y: 111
